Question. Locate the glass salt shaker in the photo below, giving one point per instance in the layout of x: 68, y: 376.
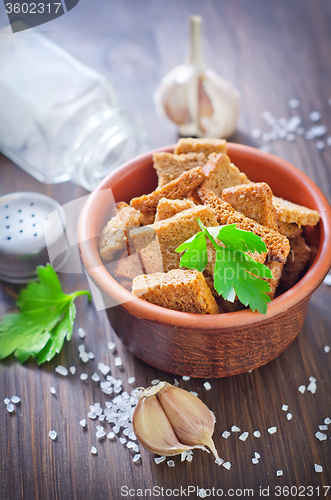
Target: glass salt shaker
x: 58, y: 118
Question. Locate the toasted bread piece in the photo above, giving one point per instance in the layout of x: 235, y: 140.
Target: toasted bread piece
x: 180, y: 289
x: 174, y: 190
x: 276, y: 269
x: 145, y: 242
x: 254, y: 200
x: 147, y: 218
x: 167, y: 208
x: 120, y: 205
x: 169, y: 166
x: 278, y: 246
x: 170, y: 234
x: 289, y: 229
x: 206, y: 146
x: 287, y: 211
x: 296, y: 262
x: 129, y: 267
x: 220, y: 173
x: 114, y: 236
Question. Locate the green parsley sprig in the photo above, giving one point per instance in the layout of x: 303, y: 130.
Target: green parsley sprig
x: 45, y: 319
x: 236, y: 273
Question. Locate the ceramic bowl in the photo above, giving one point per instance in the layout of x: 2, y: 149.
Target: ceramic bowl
x: 207, y: 345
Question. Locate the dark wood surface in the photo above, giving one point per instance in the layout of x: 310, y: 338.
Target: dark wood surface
x: 272, y: 51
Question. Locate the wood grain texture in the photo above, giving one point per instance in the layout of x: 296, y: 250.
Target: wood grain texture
x: 272, y: 51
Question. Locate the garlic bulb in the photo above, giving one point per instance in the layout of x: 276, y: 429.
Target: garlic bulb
x: 200, y: 102
x: 168, y: 420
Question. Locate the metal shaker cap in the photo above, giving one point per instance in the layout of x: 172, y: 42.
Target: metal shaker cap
x: 22, y: 235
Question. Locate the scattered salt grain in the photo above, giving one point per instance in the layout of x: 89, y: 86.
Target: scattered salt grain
x: 207, y: 386
x: 84, y: 356
x: 320, y: 145
x: 294, y: 103
x: 101, y: 418
x: 328, y: 141
x: 194, y: 393
x: 111, y: 436
x: 132, y: 436
x: 83, y: 422
x: 122, y: 440
x: 227, y: 465
x: 290, y: 137
x: 302, y: 389
x: 15, y: 400
x: 158, y: 460
x: 327, y: 348
x: 186, y: 378
x: 135, y: 448
x: 312, y: 386
x: 257, y: 434
x: 84, y: 376
x: 171, y: 463
x: 131, y: 380
x: 257, y: 455
x: 53, y: 390
x: 272, y: 430
x: 176, y: 383
x: 136, y: 459
x: 289, y: 416
x: 318, y: 468
x: 234, y: 428
x: 91, y: 355
x: 255, y: 461
x: 155, y: 381
x: 81, y: 333
x: 323, y: 427
x: 315, y: 116
x: 72, y: 370
x: 92, y: 415
x: 99, y: 428
x: 202, y: 493
x: 285, y: 407
x: 116, y: 429
x: 320, y: 436
x: 118, y: 362
x: 279, y: 472
x: 111, y: 346
x: 100, y: 434
x: 105, y: 369
x: 52, y: 435
x: 6, y: 401
x: 327, y: 421
x: 95, y: 377
x: 244, y: 436
x: 61, y: 370
x: 226, y: 434
x: 10, y: 407
x: 94, y: 451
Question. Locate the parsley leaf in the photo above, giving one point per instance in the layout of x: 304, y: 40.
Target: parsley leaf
x: 236, y: 273
x: 46, y: 317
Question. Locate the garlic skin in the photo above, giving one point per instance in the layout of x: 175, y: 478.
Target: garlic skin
x: 168, y: 420
x: 199, y: 101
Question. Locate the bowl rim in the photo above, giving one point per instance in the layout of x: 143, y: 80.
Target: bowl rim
x: 157, y: 314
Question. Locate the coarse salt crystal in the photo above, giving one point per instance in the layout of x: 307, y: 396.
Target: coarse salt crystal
x: 100, y: 434
x: 244, y: 436
x: 83, y: 422
x: 122, y: 440
x: 10, y: 407
x: 136, y: 459
x: 92, y: 415
x: 207, y: 386
x: 272, y: 430
x: 111, y: 346
x: 226, y: 434
x: 302, y: 389
x: 105, y: 370
x: 328, y: 141
x: 279, y: 472
x: 318, y: 468
x: 256, y: 133
x: 15, y: 400
x: 118, y: 361
x: 101, y: 418
x: 227, y: 465
x: 257, y: 455
x: 327, y: 421
x: 320, y: 145
x: 158, y: 460
x: 99, y: 428
x: 131, y: 380
x: 73, y: 370
x: 186, y: 377
x: 95, y: 377
x: 255, y: 460
x: 84, y: 376
x: 285, y: 407
x: 323, y: 427
x: 321, y: 436
x: 202, y: 493
x: 176, y: 383
x: 91, y: 355
x: 315, y: 116
x: 327, y: 348
x: 53, y: 390
x: 6, y: 401
x: 312, y: 387
x: 111, y: 436
x: 194, y: 393
x: 61, y: 370
x: 294, y: 103
x: 170, y: 463
x: 81, y: 333
x: 289, y: 416
x: 52, y: 435
x: 234, y: 428
x: 257, y: 434
x: 155, y: 381
x: 94, y: 451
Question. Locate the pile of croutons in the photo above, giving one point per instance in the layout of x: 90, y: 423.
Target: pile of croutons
x: 198, y: 180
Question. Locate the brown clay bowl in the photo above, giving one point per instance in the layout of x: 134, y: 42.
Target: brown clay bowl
x: 207, y: 345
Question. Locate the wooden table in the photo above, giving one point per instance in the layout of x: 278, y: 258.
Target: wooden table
x: 272, y: 51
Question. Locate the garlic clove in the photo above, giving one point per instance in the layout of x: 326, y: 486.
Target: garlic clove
x: 153, y: 429
x: 191, y: 420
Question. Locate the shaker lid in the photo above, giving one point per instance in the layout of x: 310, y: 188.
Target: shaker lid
x: 22, y: 235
